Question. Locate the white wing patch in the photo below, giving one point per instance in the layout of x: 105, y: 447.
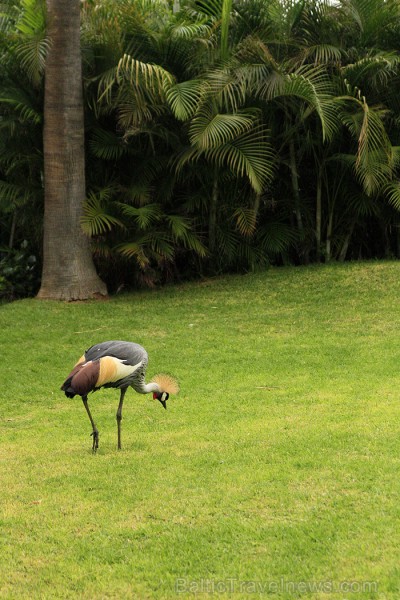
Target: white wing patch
x: 113, y: 369
x: 123, y: 370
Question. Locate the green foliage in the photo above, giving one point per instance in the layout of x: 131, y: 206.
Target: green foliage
x: 22, y: 53
x: 96, y: 219
x: 19, y: 275
x: 220, y: 135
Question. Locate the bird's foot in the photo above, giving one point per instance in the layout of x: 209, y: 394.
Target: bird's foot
x: 95, y: 435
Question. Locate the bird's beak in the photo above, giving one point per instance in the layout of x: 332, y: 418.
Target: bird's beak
x: 163, y: 402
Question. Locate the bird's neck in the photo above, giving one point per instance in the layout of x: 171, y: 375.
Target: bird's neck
x: 146, y: 388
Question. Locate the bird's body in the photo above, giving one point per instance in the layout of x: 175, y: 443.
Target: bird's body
x: 115, y: 364
x: 109, y: 364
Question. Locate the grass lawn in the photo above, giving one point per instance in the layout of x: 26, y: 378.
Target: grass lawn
x: 274, y: 473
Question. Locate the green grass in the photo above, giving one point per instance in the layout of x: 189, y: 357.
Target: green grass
x: 276, y: 468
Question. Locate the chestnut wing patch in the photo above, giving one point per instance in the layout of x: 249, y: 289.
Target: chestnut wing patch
x: 82, y: 379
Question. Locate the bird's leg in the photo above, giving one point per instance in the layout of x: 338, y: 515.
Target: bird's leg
x: 119, y: 416
x: 95, y: 432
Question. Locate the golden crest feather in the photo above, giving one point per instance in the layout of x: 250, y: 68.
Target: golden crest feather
x: 166, y: 383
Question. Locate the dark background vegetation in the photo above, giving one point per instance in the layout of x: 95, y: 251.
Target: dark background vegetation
x: 214, y: 143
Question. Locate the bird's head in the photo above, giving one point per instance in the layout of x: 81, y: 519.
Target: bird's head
x: 161, y: 397
x: 166, y: 385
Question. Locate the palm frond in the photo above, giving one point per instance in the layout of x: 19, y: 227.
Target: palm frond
x: 374, y: 154
x: 249, y: 155
x: 245, y: 219
x: 362, y: 205
x: 323, y: 54
x: 96, y: 219
x: 181, y: 231
x: 143, y: 216
x: 392, y: 192
x: 211, y: 8
x: 313, y: 86
x: 13, y: 195
x: 276, y: 237
x: 31, y: 45
x: 135, y: 250
x: 140, y: 192
x: 106, y: 82
x: 227, y: 241
x: 31, y: 18
x: 161, y: 244
x: 32, y: 54
x: 228, y: 87
x: 138, y: 73
x: 209, y: 131
x: 21, y: 103
x: 184, y: 97
x: 106, y: 144
x: 378, y: 68
x: 186, y: 30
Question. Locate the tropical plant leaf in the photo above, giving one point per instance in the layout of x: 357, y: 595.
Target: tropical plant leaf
x: 313, y: 86
x: 162, y: 245
x: 184, y: 97
x: 143, y: 216
x: 392, y: 192
x: 323, y: 54
x: 378, y: 68
x: 245, y: 219
x: 21, y: 102
x: 228, y: 242
x: 31, y: 18
x: 31, y: 46
x: 276, y: 237
x: 211, y: 8
x: 32, y: 55
x: 228, y: 88
x: 362, y: 205
x: 181, y: 231
x: 101, y: 248
x: 185, y: 30
x: 107, y: 145
x: 12, y: 196
x: 138, y: 73
x: 249, y: 155
x: 135, y: 250
x: 96, y: 219
x: 374, y: 157
x: 209, y: 131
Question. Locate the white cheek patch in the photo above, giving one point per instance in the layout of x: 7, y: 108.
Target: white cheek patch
x: 164, y: 397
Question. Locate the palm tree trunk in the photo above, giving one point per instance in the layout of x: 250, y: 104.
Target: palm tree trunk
x: 345, y: 245
x: 295, y: 186
x: 225, y: 18
x: 318, y: 213
x: 329, y: 230
x: 12, y: 232
x: 256, y: 206
x: 212, y: 219
x: 303, y: 253
x: 68, y: 269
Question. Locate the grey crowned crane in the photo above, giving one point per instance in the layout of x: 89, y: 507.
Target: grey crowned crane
x: 115, y: 364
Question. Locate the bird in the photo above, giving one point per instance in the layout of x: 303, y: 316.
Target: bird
x: 115, y: 364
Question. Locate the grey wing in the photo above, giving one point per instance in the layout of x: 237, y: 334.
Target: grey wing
x: 129, y: 352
